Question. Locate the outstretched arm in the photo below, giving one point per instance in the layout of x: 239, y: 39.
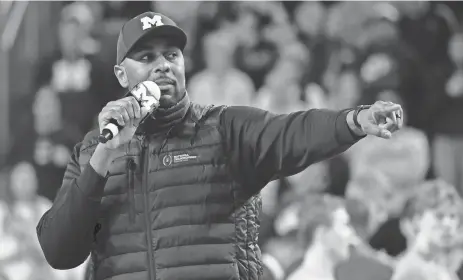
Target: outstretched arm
x: 263, y: 146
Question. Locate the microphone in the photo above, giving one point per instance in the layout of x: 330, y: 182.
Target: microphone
x: 147, y: 94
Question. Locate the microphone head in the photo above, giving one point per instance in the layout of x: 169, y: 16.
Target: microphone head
x: 153, y: 89
x: 147, y: 94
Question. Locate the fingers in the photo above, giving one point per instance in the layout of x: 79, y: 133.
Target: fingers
x: 135, y: 107
x: 389, y: 108
x: 131, y: 106
x: 118, y: 117
x: 380, y: 131
x: 124, y: 111
x: 144, y: 115
x: 391, y: 114
x: 144, y: 111
x: 389, y: 125
x: 118, y: 113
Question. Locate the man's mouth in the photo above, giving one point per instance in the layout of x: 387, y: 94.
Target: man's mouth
x: 164, y: 82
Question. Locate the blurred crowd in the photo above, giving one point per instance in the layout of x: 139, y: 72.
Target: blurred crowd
x: 385, y: 209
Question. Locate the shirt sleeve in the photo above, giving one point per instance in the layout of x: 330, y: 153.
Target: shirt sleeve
x: 263, y: 146
x: 66, y: 231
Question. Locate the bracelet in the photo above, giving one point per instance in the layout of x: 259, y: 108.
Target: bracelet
x: 357, y: 111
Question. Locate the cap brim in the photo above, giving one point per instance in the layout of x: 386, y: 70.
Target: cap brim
x: 172, y: 33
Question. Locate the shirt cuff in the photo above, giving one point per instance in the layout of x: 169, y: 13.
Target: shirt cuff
x: 91, y: 183
x: 344, y: 134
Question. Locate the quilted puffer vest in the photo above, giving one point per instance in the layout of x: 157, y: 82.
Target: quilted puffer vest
x: 172, y: 210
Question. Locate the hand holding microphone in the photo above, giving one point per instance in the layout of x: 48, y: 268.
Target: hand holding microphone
x: 120, y: 119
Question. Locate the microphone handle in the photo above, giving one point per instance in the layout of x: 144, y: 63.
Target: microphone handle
x: 110, y: 131
x: 142, y: 93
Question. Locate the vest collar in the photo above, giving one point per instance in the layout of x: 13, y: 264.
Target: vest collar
x: 165, y: 118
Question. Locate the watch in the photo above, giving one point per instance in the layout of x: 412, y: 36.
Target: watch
x: 357, y: 111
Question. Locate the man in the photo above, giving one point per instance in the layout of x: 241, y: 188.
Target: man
x: 327, y: 234
x: 177, y: 197
x: 432, y: 225
x: 385, y: 203
x: 364, y: 263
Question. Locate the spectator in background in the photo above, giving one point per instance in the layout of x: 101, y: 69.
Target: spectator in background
x: 255, y: 55
x: 22, y: 258
x: 379, y: 72
x: 281, y: 93
x: 409, y: 153
x: 364, y: 262
x: 48, y: 143
x: 375, y: 190
x: 424, y: 28
x: 346, y: 90
x: 211, y: 17
x: 72, y: 72
x: 310, y: 20
x: 326, y: 233
x: 446, y: 116
x: 25, y: 209
x: 53, y: 142
x: 426, y: 32
x: 282, y: 90
x: 385, y: 204
x: 432, y: 223
x: 221, y: 82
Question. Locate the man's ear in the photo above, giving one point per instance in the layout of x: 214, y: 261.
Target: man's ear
x: 121, y: 75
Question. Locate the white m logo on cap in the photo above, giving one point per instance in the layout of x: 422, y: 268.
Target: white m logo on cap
x: 149, y: 22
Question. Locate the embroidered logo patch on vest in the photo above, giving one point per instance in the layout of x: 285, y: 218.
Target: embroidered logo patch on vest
x: 169, y: 159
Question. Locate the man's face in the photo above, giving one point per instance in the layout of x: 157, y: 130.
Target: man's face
x: 439, y: 227
x: 380, y: 198
x: 340, y: 236
x: 155, y: 59
x: 70, y: 34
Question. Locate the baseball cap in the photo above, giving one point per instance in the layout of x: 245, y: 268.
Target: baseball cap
x: 144, y: 25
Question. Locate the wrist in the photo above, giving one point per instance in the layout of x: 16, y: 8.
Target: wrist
x: 102, y: 159
x: 351, y: 123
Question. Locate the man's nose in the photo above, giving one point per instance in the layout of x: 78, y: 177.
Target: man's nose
x: 161, y: 66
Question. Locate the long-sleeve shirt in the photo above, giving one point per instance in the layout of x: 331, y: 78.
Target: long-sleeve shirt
x: 264, y: 147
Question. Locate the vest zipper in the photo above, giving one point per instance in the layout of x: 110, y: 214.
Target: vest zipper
x: 131, y: 190
x: 146, y: 210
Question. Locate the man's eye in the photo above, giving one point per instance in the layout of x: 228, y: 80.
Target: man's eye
x: 146, y: 57
x: 172, y: 55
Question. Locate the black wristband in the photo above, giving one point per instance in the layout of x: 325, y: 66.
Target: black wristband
x: 357, y: 111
